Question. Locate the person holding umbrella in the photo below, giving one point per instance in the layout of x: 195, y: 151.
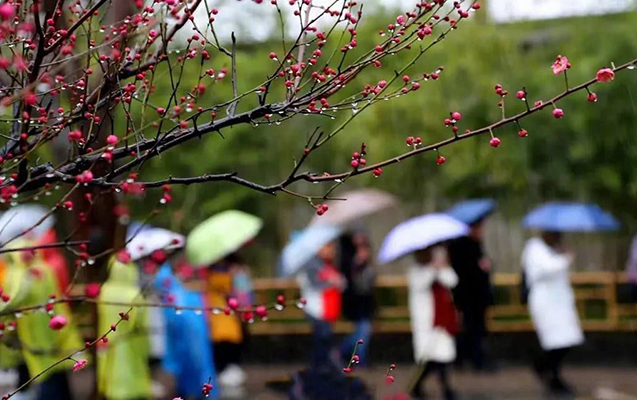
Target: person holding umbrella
x: 189, y: 355
x: 432, y: 313
x: 178, y: 338
x: 311, y: 257
x: 27, y: 280
x: 148, y: 247
x: 473, y: 295
x: 43, y: 337
x: 40, y: 223
x: 214, y: 244
x: 550, y: 295
x: 358, y: 297
x: 226, y: 283
x: 355, y: 261
x: 124, y: 362
x: 123, y: 370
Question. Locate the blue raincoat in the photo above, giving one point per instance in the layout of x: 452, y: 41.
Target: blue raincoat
x: 188, y: 354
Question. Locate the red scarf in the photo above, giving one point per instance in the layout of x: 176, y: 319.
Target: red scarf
x: 444, y: 310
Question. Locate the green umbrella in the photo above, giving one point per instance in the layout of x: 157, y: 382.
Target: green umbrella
x: 221, y: 235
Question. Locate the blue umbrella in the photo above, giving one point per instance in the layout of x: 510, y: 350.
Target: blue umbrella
x: 570, y: 217
x: 471, y: 211
x: 306, y: 245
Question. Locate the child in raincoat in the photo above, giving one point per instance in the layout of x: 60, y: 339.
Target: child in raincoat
x: 123, y: 371
x: 433, y: 316
x: 29, y: 281
x: 188, y: 352
x: 228, y: 279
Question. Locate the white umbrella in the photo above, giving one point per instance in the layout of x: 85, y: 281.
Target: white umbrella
x: 148, y: 240
x: 17, y: 220
x: 305, y: 246
x: 419, y: 233
x: 358, y: 204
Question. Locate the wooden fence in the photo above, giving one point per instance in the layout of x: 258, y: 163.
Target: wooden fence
x: 603, y: 300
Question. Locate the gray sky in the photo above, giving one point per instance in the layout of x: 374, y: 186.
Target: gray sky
x: 252, y: 21
x: 516, y: 10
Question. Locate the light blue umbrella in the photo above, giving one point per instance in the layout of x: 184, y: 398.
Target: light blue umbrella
x: 419, y: 233
x: 472, y: 211
x: 279, y: 264
x: 570, y: 217
x: 306, y: 245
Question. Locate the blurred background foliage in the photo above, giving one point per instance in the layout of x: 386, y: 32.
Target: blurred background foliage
x: 589, y: 155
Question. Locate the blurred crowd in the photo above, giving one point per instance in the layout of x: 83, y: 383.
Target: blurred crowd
x: 182, y: 304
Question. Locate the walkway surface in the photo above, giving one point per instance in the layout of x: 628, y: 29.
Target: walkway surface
x: 510, y: 383
x: 598, y: 383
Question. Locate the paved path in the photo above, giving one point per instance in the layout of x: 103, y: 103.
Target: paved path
x: 595, y: 383
x: 511, y: 383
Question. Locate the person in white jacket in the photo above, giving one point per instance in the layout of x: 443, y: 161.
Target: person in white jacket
x: 552, y: 305
x: 433, y: 316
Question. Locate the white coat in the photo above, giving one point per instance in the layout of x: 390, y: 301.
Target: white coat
x: 551, y: 298
x: 430, y: 343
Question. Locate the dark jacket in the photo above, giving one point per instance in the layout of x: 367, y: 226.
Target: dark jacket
x: 474, y: 287
x: 358, y: 297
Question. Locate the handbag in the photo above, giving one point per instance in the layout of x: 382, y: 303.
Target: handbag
x: 445, y: 315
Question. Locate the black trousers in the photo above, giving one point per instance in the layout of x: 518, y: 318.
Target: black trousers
x: 550, y: 362
x: 23, y: 374
x: 424, y: 371
x: 471, y: 339
x: 55, y: 387
x: 226, y: 353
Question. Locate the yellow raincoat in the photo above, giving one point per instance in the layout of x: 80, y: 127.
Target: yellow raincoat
x: 122, y: 366
x: 29, y: 281
x: 3, y: 271
x: 9, y: 357
x: 223, y: 328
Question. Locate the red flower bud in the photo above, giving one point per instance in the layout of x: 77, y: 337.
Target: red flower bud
x: 558, y: 113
